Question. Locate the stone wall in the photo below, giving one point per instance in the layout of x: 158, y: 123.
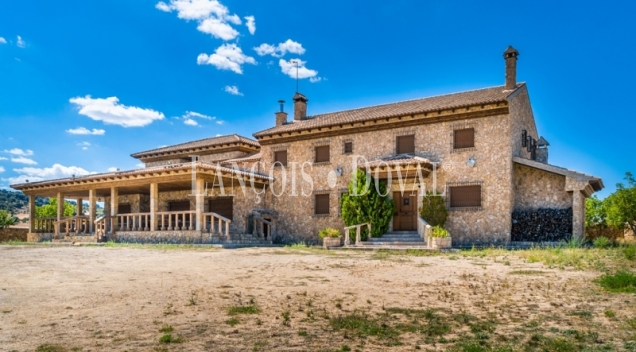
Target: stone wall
x: 534, y: 189
x: 521, y: 118
x: 542, y: 225
x: 13, y: 234
x: 490, y: 224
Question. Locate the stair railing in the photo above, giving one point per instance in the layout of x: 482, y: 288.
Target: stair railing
x: 215, y: 223
x: 347, y: 240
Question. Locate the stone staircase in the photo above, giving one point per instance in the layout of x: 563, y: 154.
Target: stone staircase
x: 396, y: 239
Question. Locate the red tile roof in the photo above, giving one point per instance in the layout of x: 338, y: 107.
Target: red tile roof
x: 202, y: 143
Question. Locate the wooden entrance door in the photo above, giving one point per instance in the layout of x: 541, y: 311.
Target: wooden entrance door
x: 405, y: 216
x: 223, y: 206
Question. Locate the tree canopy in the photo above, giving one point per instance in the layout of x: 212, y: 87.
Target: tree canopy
x: 50, y: 210
x: 621, y: 205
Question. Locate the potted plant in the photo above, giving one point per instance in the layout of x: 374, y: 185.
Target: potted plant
x: 439, y: 238
x: 330, y: 237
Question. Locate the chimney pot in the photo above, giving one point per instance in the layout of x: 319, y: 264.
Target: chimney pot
x: 300, y: 106
x: 510, y: 55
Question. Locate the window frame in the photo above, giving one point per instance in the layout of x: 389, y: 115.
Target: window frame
x: 277, y: 162
x: 344, y: 147
x: 316, y: 196
x: 449, y: 196
x: 316, y: 161
x: 397, y: 144
x: 454, y: 138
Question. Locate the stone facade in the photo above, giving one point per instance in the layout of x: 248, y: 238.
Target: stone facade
x: 13, y: 234
x: 535, y: 189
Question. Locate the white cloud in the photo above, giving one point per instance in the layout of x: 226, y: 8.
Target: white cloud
x: 315, y: 79
x: 218, y: 29
x: 112, y: 169
x: 24, y: 160
x: 1, y: 169
x: 251, y: 24
x: 289, y: 68
x: 111, y: 112
x: 20, y: 152
x: 190, y: 114
x: 190, y: 122
x: 33, y: 174
x: 83, y: 130
x: 233, y: 90
x: 84, y: 145
x: 3, y: 158
x: 3, y: 41
x: 140, y: 165
x: 21, y: 43
x: 281, y: 49
x: 227, y: 57
x: 219, y: 122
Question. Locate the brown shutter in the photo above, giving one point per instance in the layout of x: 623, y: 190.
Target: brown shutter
x: 123, y: 208
x: 281, y: 156
x: 405, y: 144
x: 465, y: 196
x: 348, y: 147
x: 222, y: 206
x: 322, y: 204
x: 322, y: 154
x: 182, y: 205
x: 464, y: 138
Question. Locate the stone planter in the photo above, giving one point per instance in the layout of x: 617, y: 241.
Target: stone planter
x: 331, y: 242
x: 440, y: 242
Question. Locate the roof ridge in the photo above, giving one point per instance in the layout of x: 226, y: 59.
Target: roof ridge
x: 235, y: 135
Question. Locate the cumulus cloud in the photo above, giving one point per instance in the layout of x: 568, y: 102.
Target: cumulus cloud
x: 233, y: 90
x: 84, y: 130
x: 20, y: 152
x: 191, y: 114
x: 3, y: 158
x: 84, y: 145
x: 111, y: 112
x: 112, y: 169
x: 24, y: 160
x: 281, y: 49
x: 213, y: 17
x: 1, y: 169
x: 190, y: 122
x: 33, y: 174
x: 227, y: 57
x: 3, y: 41
x: 251, y: 24
x: 289, y: 68
x: 21, y: 43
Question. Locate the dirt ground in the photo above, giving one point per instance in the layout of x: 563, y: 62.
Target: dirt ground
x: 282, y: 299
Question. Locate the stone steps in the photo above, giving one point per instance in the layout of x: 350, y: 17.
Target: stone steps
x: 394, y: 239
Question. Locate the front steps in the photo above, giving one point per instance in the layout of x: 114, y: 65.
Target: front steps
x: 395, y: 240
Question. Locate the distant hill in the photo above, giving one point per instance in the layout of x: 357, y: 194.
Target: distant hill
x: 14, y: 201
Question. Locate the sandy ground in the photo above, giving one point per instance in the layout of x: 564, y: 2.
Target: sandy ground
x: 116, y: 299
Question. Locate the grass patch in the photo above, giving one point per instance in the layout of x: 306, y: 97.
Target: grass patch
x: 232, y: 322
x: 236, y: 310
x: 168, y: 338
x: 621, y: 281
x: 166, y: 329
x: 361, y: 325
x: 50, y: 348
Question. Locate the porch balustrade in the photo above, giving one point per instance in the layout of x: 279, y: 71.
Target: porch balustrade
x: 215, y: 223
x: 72, y: 225
x: 347, y: 239
x: 45, y: 225
x: 175, y: 221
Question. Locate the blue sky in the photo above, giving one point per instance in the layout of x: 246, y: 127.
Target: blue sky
x: 136, y: 75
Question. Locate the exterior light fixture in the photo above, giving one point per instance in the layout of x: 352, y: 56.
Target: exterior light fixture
x: 339, y: 171
x: 471, y: 161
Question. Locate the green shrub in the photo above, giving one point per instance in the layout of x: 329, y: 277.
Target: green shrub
x: 621, y: 281
x: 329, y: 232
x: 630, y: 252
x: 433, y: 210
x: 168, y: 338
x: 601, y: 242
x: 439, y: 232
x: 366, y: 205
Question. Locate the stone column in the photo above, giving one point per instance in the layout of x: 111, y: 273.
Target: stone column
x: 80, y: 206
x: 578, y: 214
x: 60, y: 212
x: 199, y: 204
x: 92, y: 201
x: 31, y: 213
x: 114, y: 202
x: 154, y: 195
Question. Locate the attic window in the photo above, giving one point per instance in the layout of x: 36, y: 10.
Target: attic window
x: 464, y: 138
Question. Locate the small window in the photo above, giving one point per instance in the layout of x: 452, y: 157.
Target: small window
x: 464, y: 138
x: 348, y: 147
x: 124, y: 208
x: 465, y: 196
x: 281, y: 157
x: 405, y: 144
x: 181, y: 205
x: 322, y: 204
x: 322, y: 154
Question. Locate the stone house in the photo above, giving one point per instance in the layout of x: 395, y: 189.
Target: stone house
x: 480, y: 149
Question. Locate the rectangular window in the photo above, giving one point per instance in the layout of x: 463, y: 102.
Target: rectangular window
x: 321, y: 206
x: 280, y: 157
x: 123, y: 208
x: 322, y: 154
x: 464, y: 138
x: 222, y: 206
x: 405, y: 144
x: 465, y: 196
x: 348, y: 147
x: 181, y: 205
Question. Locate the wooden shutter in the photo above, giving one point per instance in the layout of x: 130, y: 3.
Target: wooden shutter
x: 322, y: 204
x: 281, y: 156
x: 465, y: 196
x: 405, y: 144
x: 181, y: 205
x: 123, y: 208
x: 348, y: 147
x: 322, y: 154
x: 464, y: 138
x: 222, y: 206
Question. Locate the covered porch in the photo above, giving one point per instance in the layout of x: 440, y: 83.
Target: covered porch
x: 191, y: 203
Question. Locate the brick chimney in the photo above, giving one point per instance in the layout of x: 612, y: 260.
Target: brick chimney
x: 510, y: 55
x: 300, y: 106
x: 281, y: 116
